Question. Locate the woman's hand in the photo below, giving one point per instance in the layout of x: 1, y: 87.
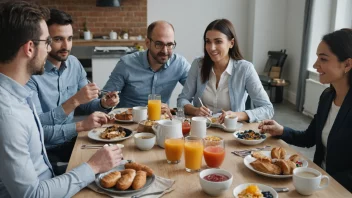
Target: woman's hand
x: 271, y: 127
x: 202, y: 111
x: 242, y: 116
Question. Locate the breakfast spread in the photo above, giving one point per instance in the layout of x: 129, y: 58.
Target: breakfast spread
x: 276, y: 165
x: 134, y: 176
x: 126, y: 115
x: 114, y: 131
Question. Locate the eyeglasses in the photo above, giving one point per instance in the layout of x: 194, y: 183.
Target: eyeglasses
x: 161, y: 45
x: 48, y: 41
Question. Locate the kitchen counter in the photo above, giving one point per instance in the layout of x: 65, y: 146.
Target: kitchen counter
x: 108, y: 42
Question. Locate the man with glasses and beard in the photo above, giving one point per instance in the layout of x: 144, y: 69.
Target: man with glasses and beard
x: 154, y: 71
x: 25, y: 169
x: 62, y: 89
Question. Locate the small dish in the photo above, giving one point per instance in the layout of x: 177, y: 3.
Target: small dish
x: 248, y: 142
x: 262, y: 187
x: 215, y: 188
x: 238, y: 126
x: 95, y: 135
x: 144, y: 141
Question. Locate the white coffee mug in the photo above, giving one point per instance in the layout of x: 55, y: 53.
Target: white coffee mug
x: 167, y: 128
x: 139, y: 114
x: 199, y: 127
x: 307, y: 180
x: 230, y: 122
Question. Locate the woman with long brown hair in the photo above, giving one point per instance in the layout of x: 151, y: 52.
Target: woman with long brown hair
x: 222, y: 79
x: 331, y: 128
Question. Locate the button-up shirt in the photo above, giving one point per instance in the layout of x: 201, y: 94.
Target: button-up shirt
x: 25, y: 169
x: 51, y: 90
x: 135, y: 79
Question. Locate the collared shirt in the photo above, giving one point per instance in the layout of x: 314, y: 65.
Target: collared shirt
x: 51, y: 90
x: 244, y: 81
x: 25, y: 169
x: 218, y: 99
x: 135, y: 79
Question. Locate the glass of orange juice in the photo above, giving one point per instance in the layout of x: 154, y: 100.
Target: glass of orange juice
x: 154, y: 106
x: 174, y: 150
x: 214, y: 151
x: 193, y: 153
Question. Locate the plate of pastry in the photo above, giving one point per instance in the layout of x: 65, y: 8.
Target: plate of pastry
x: 123, y: 115
x: 113, y: 133
x: 127, y: 179
x: 275, y: 163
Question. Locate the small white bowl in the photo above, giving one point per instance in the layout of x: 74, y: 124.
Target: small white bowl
x: 248, y: 142
x: 144, y: 144
x: 215, y: 188
x: 262, y: 187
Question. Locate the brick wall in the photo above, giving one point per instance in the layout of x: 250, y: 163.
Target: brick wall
x: 130, y: 16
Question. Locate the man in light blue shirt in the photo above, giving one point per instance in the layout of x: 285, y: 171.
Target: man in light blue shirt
x: 155, y: 71
x: 25, y: 169
x: 61, y: 89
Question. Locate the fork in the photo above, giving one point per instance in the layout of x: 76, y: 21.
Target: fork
x: 153, y: 193
x: 244, y: 153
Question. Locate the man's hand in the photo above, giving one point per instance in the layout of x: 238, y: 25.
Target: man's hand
x: 110, y: 100
x: 86, y: 94
x: 94, y: 120
x: 165, y: 109
x: 105, y: 159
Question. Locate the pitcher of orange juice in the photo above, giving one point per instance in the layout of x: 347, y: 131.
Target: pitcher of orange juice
x: 154, y: 106
x: 193, y: 153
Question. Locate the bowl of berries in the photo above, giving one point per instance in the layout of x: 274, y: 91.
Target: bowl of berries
x: 249, y: 137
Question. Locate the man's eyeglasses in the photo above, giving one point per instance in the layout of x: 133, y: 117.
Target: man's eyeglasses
x: 161, y: 45
x: 48, y: 41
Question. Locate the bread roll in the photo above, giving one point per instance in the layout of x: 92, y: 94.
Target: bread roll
x: 110, y: 179
x: 266, y: 167
x: 278, y: 153
x: 294, y: 158
x: 126, y: 180
x: 137, y: 167
x: 258, y: 155
x: 140, y: 180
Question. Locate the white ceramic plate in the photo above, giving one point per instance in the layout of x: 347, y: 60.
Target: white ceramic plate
x: 238, y: 126
x: 129, y: 192
x: 248, y: 142
x: 248, y: 159
x: 118, y: 111
x: 262, y: 187
x: 95, y: 135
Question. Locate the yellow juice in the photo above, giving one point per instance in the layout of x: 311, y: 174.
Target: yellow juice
x: 154, y: 109
x: 174, y: 149
x: 193, y: 155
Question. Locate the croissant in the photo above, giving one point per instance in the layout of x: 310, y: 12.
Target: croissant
x: 259, y: 156
x: 110, y: 179
x: 286, y: 166
x: 126, y: 179
x: 294, y: 158
x: 278, y: 153
x: 266, y: 167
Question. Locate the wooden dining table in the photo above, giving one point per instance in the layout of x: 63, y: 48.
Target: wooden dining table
x: 187, y: 184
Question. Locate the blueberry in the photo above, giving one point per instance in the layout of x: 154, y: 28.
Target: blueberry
x: 263, y: 136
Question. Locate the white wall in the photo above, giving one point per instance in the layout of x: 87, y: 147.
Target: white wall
x: 343, y: 18
x: 293, y: 42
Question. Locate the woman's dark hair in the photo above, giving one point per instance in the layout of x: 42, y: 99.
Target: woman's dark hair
x: 59, y: 17
x: 19, y: 23
x: 340, y: 44
x: 224, y: 26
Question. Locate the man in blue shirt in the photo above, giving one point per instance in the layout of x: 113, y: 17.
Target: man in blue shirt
x: 61, y: 89
x: 155, y: 71
x: 25, y: 169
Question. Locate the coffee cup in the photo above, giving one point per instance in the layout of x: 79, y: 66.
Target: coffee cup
x: 199, y: 127
x: 139, y: 114
x: 307, y: 180
x: 230, y: 122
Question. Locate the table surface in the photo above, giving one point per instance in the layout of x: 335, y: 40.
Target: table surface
x: 187, y: 184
